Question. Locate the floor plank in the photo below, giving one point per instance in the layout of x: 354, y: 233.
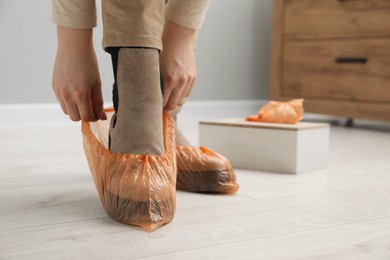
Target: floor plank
x: 357, y: 241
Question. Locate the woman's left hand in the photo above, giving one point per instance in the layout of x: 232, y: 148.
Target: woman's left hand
x: 177, y: 64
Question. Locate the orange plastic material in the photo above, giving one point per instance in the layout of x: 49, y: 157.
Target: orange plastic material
x: 134, y: 189
x: 200, y: 169
x: 290, y: 112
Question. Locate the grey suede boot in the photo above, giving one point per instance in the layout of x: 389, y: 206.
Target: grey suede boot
x: 136, y: 127
x: 142, y: 190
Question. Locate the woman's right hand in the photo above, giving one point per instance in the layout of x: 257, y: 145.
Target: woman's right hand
x: 76, y: 79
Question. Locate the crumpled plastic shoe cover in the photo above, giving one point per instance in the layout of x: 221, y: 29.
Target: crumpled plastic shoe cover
x: 290, y: 112
x: 134, y: 189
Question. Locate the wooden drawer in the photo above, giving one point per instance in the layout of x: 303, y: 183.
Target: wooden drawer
x: 342, y: 69
x: 314, y: 19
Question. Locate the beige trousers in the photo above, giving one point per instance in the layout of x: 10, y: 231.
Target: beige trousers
x: 137, y: 23
x: 130, y: 22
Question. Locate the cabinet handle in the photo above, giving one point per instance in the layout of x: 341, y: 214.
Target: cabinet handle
x: 343, y: 1
x: 351, y: 60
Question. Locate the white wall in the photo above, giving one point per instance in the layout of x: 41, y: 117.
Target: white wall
x: 233, y: 52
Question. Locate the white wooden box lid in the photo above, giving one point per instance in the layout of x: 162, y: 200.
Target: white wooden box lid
x: 240, y: 122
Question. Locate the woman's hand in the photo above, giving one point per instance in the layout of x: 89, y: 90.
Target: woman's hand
x: 177, y: 63
x: 76, y: 78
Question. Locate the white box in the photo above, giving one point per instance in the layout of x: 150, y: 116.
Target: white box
x: 283, y: 148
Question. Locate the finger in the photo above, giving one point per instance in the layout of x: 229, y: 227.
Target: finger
x: 73, y: 111
x: 97, y: 103
x: 85, y: 109
x: 192, y: 84
x: 63, y: 107
x: 184, y: 93
x: 167, y: 93
x: 62, y: 103
x: 173, y: 100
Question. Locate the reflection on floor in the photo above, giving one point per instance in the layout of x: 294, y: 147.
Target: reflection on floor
x: 49, y: 208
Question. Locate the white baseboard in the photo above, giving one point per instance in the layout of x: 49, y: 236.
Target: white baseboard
x: 51, y: 114
x: 37, y: 114
x: 215, y: 109
x: 32, y: 114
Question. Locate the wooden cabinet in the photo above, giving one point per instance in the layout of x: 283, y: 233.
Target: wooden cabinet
x: 335, y: 54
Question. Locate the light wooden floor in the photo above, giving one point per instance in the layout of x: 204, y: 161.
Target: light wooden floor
x: 49, y: 208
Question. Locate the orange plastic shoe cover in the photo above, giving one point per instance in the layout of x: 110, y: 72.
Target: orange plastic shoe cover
x: 200, y: 169
x: 134, y: 189
x: 289, y: 112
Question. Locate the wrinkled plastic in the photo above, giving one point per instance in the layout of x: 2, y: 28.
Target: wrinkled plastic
x: 290, y: 112
x: 200, y: 169
x: 134, y: 189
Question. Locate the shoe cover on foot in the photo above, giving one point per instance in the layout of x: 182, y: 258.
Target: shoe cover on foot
x: 134, y: 189
x: 200, y: 169
x: 290, y: 112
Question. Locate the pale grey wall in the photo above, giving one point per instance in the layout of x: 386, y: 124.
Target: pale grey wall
x: 233, y: 52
